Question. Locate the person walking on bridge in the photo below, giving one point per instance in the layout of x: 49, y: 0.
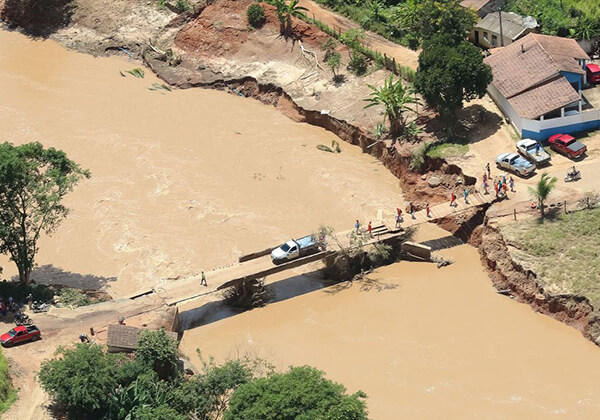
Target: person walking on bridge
x: 427, y: 210
x: 453, y: 199
x: 411, y: 207
x: 466, y: 193
x: 487, y: 167
x: 370, y: 229
x: 357, y: 227
x: 203, y: 280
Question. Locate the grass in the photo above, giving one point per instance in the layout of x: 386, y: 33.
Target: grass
x: 447, y: 150
x: 564, y: 252
x: 8, y: 394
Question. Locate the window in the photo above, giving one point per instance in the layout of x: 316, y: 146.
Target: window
x: 494, y: 41
x: 486, y: 37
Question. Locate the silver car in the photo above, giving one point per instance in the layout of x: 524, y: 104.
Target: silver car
x: 516, y: 163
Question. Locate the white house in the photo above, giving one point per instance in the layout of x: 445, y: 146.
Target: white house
x: 537, y: 85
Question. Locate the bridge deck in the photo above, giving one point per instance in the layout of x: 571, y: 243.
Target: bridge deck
x: 262, y: 266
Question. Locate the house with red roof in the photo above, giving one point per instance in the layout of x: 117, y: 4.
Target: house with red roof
x: 538, y: 82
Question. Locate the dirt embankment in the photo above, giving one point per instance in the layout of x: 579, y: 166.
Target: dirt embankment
x: 573, y: 310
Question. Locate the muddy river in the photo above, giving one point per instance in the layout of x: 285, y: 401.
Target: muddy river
x: 186, y: 180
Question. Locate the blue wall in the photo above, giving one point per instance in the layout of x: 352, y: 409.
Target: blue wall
x: 567, y: 129
x: 573, y: 78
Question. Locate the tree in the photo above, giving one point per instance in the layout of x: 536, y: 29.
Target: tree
x: 33, y: 182
x: 334, y: 61
x: 449, y: 74
x: 207, y: 394
x: 444, y: 17
x: 542, y: 190
x: 285, y: 11
x: 329, y: 47
x: 82, y: 379
x: 158, y: 351
x: 396, y: 98
x: 302, y: 393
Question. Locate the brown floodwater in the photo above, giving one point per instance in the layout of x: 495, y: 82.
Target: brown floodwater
x: 187, y: 180
x: 182, y: 180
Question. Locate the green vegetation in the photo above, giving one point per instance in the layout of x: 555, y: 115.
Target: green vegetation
x: 450, y: 73
x: 8, y: 394
x: 256, y: 15
x: 568, y: 18
x: 358, y: 63
x: 334, y: 62
x: 542, y: 190
x: 446, y: 150
x: 285, y: 11
x: 417, y: 159
x: 19, y: 291
x: 33, y: 182
x: 74, y: 298
x: 302, y: 393
x: 182, y: 6
x: 137, y: 72
x: 396, y: 97
x: 562, y: 251
x: 87, y: 382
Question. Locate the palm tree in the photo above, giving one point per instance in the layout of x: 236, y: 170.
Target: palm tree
x: 285, y: 11
x: 542, y: 190
x: 396, y: 98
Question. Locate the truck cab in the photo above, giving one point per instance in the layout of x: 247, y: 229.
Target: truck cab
x: 593, y: 73
x: 295, y: 248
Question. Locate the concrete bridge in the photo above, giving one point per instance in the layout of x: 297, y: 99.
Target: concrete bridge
x: 259, y: 264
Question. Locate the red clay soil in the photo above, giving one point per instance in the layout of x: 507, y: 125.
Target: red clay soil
x: 222, y: 28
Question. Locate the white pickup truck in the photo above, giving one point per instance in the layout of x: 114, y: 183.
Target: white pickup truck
x: 533, y: 152
x: 295, y: 248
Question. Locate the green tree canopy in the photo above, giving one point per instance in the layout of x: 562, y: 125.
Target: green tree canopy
x: 443, y: 17
x: 158, y: 351
x: 82, y: 379
x: 33, y: 182
x: 300, y: 394
x: 449, y: 74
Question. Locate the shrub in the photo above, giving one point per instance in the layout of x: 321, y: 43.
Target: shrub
x: 7, y: 393
x: 256, y: 15
x: 358, y: 63
x: 74, y: 297
x: 182, y: 6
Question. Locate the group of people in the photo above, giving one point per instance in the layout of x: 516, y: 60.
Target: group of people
x: 501, y: 185
x: 14, y: 308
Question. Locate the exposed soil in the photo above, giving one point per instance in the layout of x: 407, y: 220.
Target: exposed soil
x: 507, y: 275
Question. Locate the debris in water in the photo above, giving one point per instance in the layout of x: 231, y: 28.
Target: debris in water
x: 137, y: 72
x: 122, y: 74
x: 156, y: 86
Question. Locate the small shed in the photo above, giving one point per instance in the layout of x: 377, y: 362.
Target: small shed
x: 123, y: 338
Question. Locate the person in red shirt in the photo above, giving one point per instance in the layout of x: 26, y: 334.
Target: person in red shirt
x: 427, y: 210
x: 370, y: 230
x: 452, y: 199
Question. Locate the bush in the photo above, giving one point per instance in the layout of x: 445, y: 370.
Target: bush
x: 74, y: 297
x: 182, y: 6
x: 19, y: 291
x: 256, y: 15
x: 82, y: 379
x: 8, y: 395
x: 158, y: 351
x: 301, y: 393
x: 358, y: 63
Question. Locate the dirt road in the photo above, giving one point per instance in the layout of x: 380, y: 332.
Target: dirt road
x: 403, y: 55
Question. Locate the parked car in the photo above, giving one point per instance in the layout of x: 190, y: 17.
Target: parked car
x: 20, y: 334
x: 295, y: 248
x: 593, y: 73
x: 567, y: 145
x: 516, y: 163
x: 533, y: 152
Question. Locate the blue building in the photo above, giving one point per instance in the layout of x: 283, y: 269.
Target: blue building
x: 538, y: 82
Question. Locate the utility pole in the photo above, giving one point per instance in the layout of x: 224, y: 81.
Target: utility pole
x: 499, y: 4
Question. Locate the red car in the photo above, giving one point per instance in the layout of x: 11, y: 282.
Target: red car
x: 20, y: 334
x: 567, y: 145
x: 593, y: 73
